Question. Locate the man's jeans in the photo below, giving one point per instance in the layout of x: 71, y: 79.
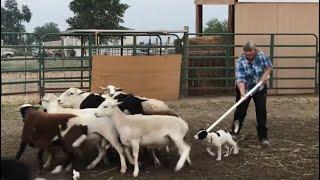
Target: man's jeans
x: 260, y: 100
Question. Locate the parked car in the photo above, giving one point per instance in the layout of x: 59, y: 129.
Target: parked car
x: 7, y: 53
x: 59, y: 53
x: 46, y: 53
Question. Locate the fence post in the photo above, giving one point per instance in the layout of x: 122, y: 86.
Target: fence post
x: 90, y: 61
x: 42, y: 66
x: 121, y: 49
x: 38, y: 38
x: 185, y: 63
x: 134, y: 45
x: 271, y: 58
x: 316, y: 72
x: 227, y: 70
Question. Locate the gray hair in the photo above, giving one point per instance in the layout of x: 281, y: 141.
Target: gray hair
x: 248, y: 46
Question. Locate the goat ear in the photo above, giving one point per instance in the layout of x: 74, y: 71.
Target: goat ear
x: 79, y: 91
x: 37, y: 107
x: 119, y: 89
x: 116, y: 104
x: 103, y: 88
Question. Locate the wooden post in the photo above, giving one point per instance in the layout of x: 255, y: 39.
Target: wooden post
x: 231, y: 19
x: 199, y: 18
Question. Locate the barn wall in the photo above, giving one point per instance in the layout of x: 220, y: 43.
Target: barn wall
x: 281, y: 18
x: 146, y: 76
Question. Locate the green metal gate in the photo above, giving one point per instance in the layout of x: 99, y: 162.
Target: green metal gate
x: 20, y: 69
x: 66, y: 65
x: 207, y: 66
x: 63, y: 60
x: 208, y: 69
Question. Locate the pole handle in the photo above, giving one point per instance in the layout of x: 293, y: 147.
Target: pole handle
x: 235, y: 105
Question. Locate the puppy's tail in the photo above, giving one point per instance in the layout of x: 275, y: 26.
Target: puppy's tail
x: 240, y: 139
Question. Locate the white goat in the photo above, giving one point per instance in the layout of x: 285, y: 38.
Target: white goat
x: 102, y: 126
x: 151, y: 105
x: 147, y: 130
x: 74, y: 98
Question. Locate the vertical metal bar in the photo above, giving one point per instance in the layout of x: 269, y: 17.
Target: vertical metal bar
x: 121, y: 50
x: 90, y: 61
x: 81, y: 61
x: 25, y: 63
x: 156, y: 49
x: 185, y: 62
x: 149, y: 44
x: 134, y: 45
x: 39, y: 64
x: 182, y: 73
x: 160, y: 45
x: 42, y: 67
x: 271, y: 58
x: 227, y: 60
x: 316, y: 83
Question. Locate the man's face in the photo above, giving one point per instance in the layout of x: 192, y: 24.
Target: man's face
x: 250, y: 54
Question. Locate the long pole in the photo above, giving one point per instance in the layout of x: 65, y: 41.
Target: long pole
x: 235, y: 105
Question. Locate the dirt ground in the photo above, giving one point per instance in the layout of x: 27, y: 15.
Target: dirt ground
x: 293, y: 123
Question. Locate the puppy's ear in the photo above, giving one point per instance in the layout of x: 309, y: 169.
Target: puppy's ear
x: 203, y: 134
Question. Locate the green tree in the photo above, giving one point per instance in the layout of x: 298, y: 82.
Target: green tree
x: 96, y: 14
x: 216, y: 26
x: 48, y: 28
x: 11, y: 20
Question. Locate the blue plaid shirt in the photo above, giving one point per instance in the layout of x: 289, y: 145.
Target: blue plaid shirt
x: 250, y: 73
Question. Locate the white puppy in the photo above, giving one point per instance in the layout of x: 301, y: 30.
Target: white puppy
x: 218, y: 139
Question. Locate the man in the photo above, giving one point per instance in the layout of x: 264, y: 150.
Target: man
x: 252, y: 66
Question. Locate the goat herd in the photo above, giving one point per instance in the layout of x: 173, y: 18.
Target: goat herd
x: 113, y: 119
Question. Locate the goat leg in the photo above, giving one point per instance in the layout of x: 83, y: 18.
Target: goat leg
x: 21, y: 149
x: 40, y: 155
x: 155, y: 158
x: 48, y: 160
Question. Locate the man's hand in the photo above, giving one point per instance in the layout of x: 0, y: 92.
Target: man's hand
x: 242, y: 96
x: 265, y: 75
x: 241, y: 87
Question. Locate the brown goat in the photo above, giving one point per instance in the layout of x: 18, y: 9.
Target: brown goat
x: 42, y: 130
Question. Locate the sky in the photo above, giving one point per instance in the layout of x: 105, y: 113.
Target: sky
x: 141, y: 15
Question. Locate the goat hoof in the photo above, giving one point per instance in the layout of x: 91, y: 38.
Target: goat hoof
x: 122, y: 171
x: 46, y: 166
x: 135, y: 173
x: 157, y: 164
x: 218, y: 159
x: 90, y: 166
x: 57, y: 169
x: 236, y: 152
x: 176, y: 169
x: 106, y: 161
x: 68, y: 168
x: 40, y: 172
